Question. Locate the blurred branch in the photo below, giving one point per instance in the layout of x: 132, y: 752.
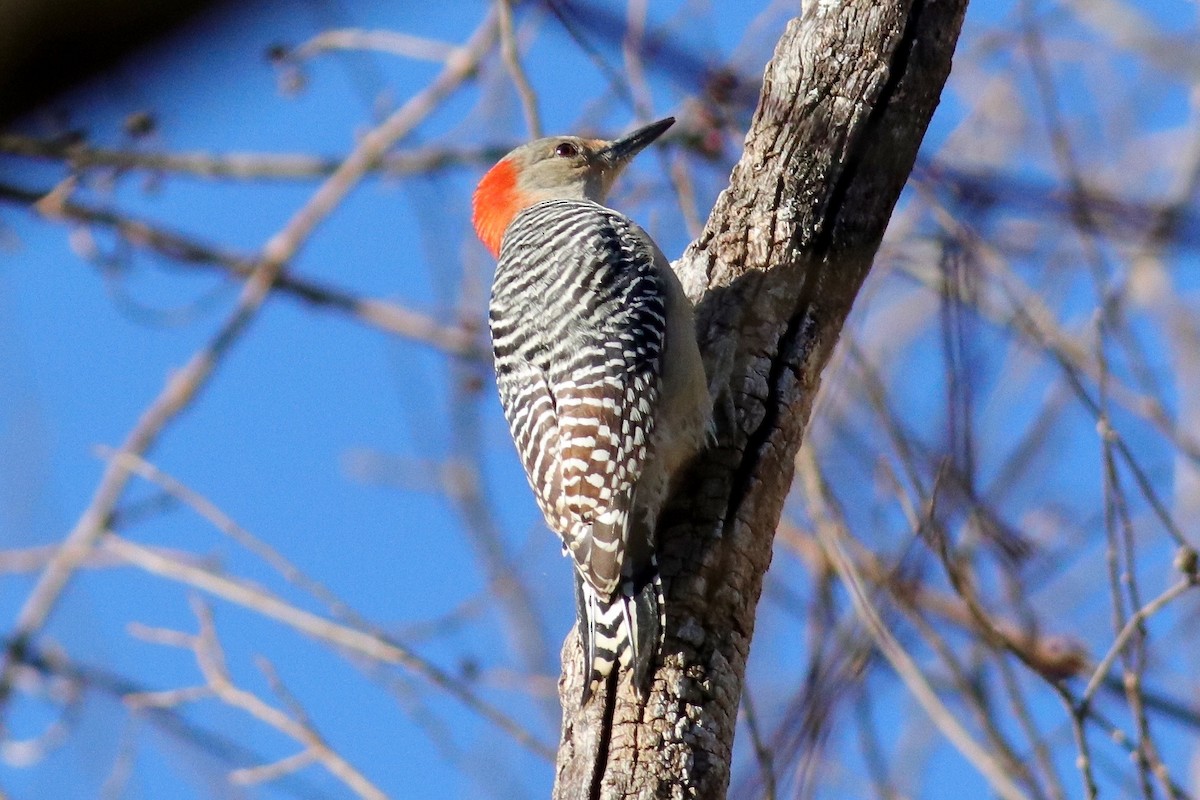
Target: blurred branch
x: 183, y: 387
x: 228, y: 752
x: 1055, y: 656
x: 227, y: 526
x: 81, y: 156
x: 371, y: 645
x: 15, y: 561
x: 1010, y: 304
x: 394, y: 43
x: 979, y: 191
x: 1131, y: 626
x: 762, y: 752
x: 211, y: 659
x: 464, y: 490
x: 180, y: 249
x: 846, y: 100
x: 974, y: 367
x: 1034, y: 317
x: 1058, y: 656
x: 986, y: 192
x: 676, y: 170
x: 512, y: 62
x: 908, y: 670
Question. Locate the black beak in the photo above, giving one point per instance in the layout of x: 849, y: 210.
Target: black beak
x: 621, y: 150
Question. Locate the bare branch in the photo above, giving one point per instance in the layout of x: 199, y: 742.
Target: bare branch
x: 182, y: 388
x: 371, y: 645
x: 393, y: 43
x: 512, y: 62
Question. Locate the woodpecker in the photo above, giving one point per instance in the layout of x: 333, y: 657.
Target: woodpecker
x: 599, y: 375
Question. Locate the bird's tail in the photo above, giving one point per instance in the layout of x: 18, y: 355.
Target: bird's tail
x: 625, y: 629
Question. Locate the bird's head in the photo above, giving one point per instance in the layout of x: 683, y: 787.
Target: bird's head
x: 557, y: 167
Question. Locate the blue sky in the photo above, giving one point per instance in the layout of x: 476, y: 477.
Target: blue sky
x: 279, y: 438
x: 271, y: 441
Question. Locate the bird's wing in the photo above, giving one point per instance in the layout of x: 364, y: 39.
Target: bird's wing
x: 529, y: 408
x: 605, y: 420
x: 589, y: 396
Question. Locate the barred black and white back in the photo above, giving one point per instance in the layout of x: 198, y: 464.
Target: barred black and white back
x: 587, y: 319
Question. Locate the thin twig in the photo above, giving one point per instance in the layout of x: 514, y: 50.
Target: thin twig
x: 905, y: 667
x: 211, y: 660
x: 181, y: 249
x: 243, y: 166
x: 512, y: 62
x: 1131, y: 627
x: 373, y: 646
x: 229, y: 527
x: 762, y: 752
x: 394, y: 43
x: 183, y: 387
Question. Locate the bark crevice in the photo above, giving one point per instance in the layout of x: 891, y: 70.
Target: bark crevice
x: 845, y: 102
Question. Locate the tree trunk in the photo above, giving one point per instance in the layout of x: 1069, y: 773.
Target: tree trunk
x: 845, y: 102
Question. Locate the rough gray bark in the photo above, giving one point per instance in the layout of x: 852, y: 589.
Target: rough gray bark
x: 845, y: 103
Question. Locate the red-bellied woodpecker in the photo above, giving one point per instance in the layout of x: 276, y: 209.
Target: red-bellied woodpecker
x: 599, y: 375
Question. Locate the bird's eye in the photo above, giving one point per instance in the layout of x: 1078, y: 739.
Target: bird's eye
x: 566, y: 150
